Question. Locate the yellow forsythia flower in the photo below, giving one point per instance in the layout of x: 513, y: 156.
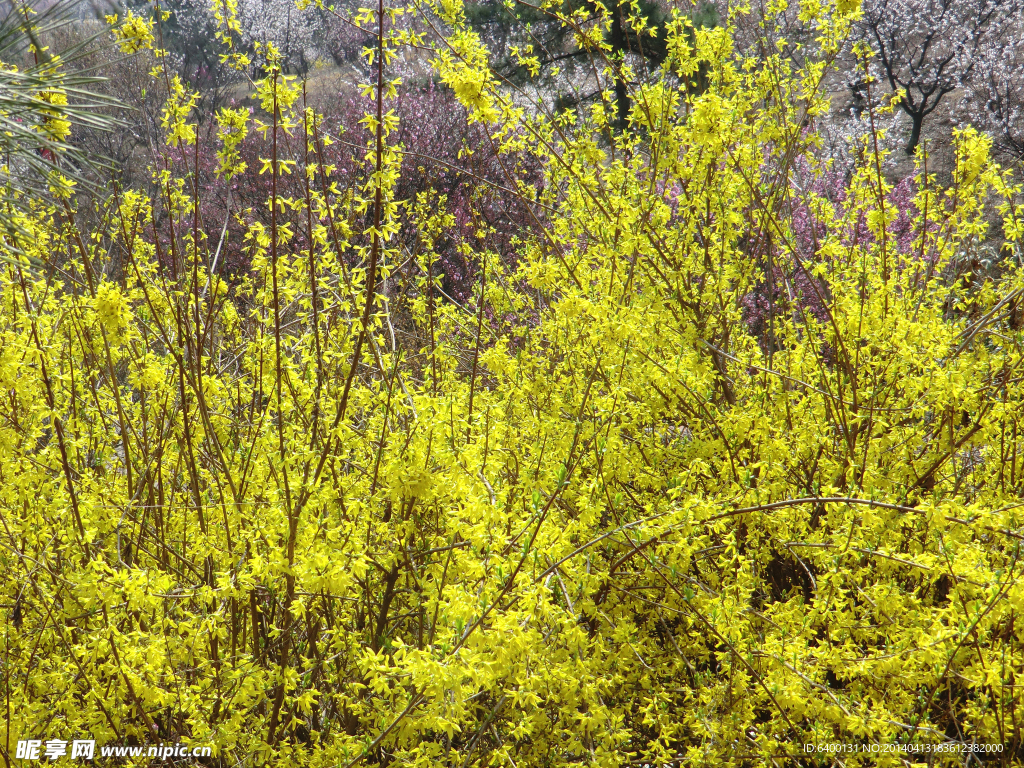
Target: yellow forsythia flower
x: 54, y: 126
x: 111, y: 308
x: 135, y: 33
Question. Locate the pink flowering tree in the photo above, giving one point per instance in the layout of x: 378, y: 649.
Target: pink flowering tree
x: 447, y: 164
x: 787, y: 284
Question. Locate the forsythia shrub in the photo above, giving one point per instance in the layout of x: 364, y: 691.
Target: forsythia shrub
x: 610, y: 526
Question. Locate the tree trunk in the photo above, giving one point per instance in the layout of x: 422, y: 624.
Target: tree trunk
x: 915, y: 131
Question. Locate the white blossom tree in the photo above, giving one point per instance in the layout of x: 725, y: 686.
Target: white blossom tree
x: 926, y: 49
x: 302, y: 36
x: 298, y: 34
x: 995, y: 99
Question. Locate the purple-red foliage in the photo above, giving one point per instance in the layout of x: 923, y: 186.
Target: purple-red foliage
x: 787, y: 289
x: 442, y: 154
x: 446, y: 154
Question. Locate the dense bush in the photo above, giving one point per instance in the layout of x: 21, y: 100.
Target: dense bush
x: 595, y: 514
